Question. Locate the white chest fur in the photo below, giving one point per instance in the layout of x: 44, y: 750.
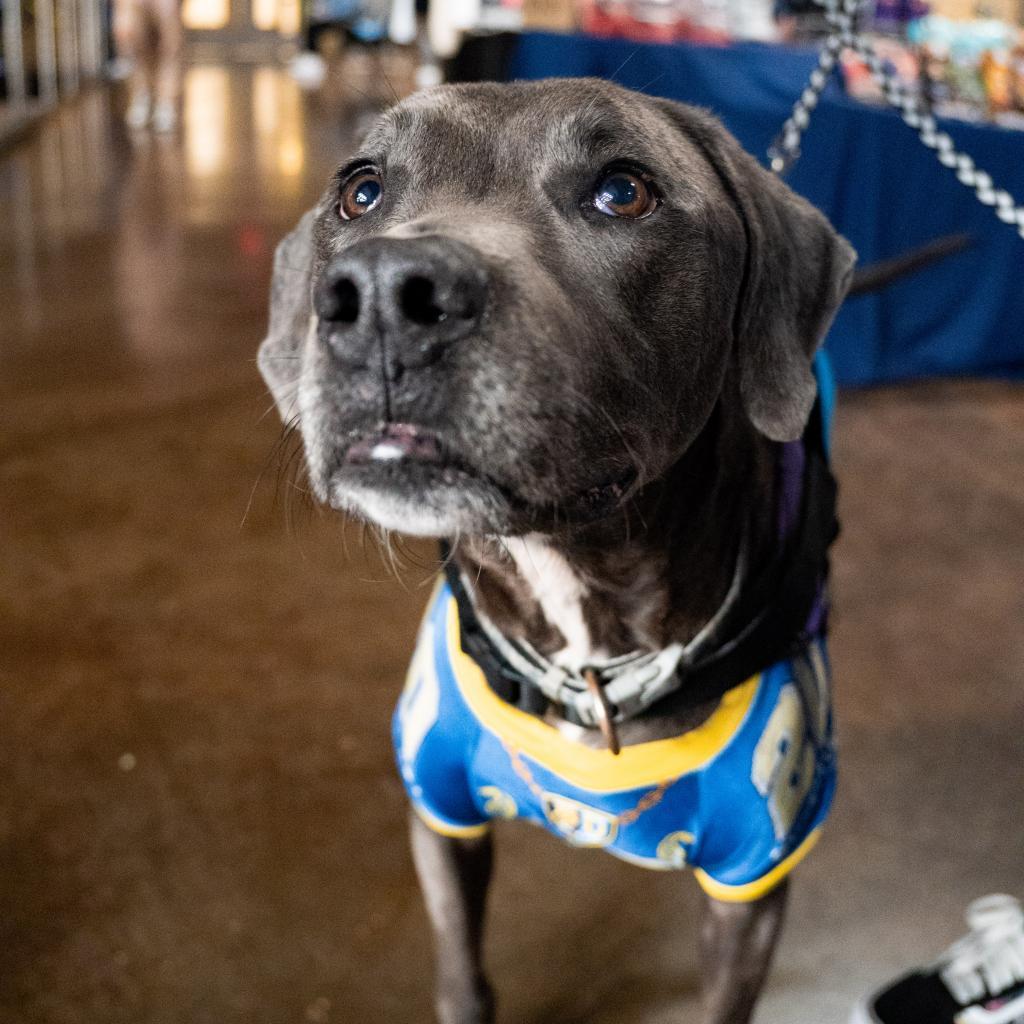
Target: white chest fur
x: 560, y: 594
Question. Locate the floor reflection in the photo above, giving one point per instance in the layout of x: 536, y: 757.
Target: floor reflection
x: 205, y: 120
x: 161, y: 231
x: 246, y: 144
x: 279, y: 119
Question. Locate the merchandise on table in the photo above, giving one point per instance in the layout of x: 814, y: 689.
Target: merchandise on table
x: 971, y: 70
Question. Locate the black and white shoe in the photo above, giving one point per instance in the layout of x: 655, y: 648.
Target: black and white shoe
x: 978, y: 980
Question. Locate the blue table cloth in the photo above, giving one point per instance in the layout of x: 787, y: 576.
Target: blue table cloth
x: 877, y: 183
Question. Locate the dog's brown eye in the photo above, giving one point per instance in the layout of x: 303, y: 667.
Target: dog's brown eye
x: 360, y: 194
x: 624, y: 194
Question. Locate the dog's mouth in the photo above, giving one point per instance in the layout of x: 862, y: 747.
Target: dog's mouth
x: 400, y: 443
x: 404, y: 460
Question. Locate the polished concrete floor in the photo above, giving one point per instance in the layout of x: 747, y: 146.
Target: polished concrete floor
x: 199, y: 820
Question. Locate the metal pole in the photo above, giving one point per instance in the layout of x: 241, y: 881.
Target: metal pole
x: 14, y: 64
x: 46, y: 52
x: 83, y: 14
x: 92, y: 38
x: 67, y: 49
x: 103, y: 24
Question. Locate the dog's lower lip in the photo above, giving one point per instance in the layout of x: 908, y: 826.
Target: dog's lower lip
x: 396, y: 442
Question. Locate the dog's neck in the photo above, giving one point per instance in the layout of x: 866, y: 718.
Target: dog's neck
x: 652, y: 574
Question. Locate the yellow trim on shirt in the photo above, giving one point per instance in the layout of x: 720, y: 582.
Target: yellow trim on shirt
x: 436, y: 824
x: 750, y: 891
x: 599, y: 771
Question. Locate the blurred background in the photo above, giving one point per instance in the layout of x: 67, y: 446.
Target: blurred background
x: 199, y: 817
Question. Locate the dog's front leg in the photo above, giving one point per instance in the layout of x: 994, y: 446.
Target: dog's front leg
x: 453, y: 874
x: 737, y: 942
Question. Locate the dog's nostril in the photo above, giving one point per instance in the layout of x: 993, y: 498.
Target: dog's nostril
x: 418, y: 302
x: 339, y: 302
x: 345, y: 307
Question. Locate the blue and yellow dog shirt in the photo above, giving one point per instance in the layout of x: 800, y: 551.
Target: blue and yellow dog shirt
x: 740, y: 799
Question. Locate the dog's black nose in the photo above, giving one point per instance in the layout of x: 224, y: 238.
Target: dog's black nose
x: 405, y: 298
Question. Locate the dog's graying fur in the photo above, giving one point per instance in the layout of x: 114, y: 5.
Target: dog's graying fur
x: 609, y: 416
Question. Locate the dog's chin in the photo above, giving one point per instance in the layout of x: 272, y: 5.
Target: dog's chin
x: 440, y: 503
x: 451, y: 503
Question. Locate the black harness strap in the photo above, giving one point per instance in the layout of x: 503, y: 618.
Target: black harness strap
x: 769, y: 625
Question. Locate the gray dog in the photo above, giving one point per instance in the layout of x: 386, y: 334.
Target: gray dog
x: 571, y: 330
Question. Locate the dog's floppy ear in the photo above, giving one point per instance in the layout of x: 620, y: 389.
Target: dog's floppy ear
x: 290, y: 310
x: 796, y: 272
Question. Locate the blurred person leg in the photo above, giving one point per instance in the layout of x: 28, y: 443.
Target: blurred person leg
x: 170, y: 35
x: 428, y: 72
x: 132, y: 40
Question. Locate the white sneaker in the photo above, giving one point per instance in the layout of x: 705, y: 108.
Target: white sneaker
x: 978, y: 980
x: 309, y: 69
x: 137, y: 114
x: 119, y: 69
x: 165, y: 117
x: 428, y: 75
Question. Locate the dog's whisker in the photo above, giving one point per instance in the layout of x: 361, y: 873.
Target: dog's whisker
x: 387, y: 549
x: 453, y: 548
x: 282, y: 453
x: 289, y: 468
x: 479, y: 572
x: 287, y: 430
x: 613, y: 75
x: 391, y: 88
x: 286, y: 396
x: 402, y: 549
x: 600, y: 410
x: 647, y: 85
x: 395, y: 560
x: 282, y: 480
x: 345, y: 525
x: 593, y: 103
x: 417, y: 561
x: 634, y: 506
x: 374, y: 101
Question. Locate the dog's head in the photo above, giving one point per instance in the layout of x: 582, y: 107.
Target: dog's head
x: 519, y: 303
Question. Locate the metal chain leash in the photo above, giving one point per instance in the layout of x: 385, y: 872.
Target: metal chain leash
x: 785, y: 150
